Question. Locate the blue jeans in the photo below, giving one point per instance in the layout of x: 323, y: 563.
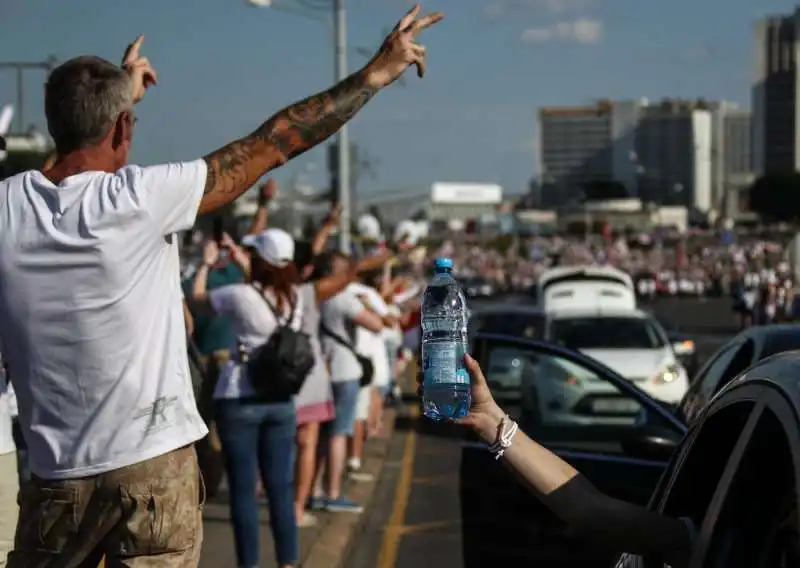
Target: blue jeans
x: 257, y: 436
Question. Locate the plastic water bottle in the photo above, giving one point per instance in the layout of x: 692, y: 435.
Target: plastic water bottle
x: 446, y: 382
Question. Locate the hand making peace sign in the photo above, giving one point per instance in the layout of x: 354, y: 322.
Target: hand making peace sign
x: 400, y: 50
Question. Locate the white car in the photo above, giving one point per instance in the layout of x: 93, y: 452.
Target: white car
x: 630, y: 342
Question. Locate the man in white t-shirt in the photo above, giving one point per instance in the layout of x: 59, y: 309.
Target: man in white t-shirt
x: 342, y: 316
x: 90, y: 302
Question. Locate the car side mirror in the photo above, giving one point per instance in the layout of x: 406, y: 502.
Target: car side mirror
x: 650, y: 443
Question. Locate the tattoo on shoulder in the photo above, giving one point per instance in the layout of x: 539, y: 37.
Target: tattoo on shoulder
x: 290, y: 132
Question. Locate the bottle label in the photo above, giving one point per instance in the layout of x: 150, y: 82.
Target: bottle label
x: 443, y: 363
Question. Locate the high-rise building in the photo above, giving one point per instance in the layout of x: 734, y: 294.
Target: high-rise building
x: 661, y: 152
x: 673, y: 153
x: 732, y: 157
x: 775, y: 117
x: 574, y: 150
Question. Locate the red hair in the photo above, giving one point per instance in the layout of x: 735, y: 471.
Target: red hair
x: 280, y: 280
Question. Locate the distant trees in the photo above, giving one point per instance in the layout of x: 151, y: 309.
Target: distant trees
x: 775, y: 196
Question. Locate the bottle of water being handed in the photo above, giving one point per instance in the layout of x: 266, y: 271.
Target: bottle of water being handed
x: 446, y: 382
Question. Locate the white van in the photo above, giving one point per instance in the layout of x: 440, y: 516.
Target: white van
x: 593, y: 310
x: 585, y: 288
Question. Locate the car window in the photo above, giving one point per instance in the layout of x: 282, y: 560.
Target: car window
x: 759, y: 515
x: 689, y: 484
x: 529, y: 326
x: 559, y: 401
x: 778, y: 342
x: 606, y: 333
x: 728, y: 363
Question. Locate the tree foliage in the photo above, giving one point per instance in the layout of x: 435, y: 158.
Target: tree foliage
x: 775, y: 196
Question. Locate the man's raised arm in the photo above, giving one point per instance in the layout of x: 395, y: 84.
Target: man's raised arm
x: 233, y: 169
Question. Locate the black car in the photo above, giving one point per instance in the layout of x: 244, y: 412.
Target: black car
x: 477, y: 287
x: 504, y: 523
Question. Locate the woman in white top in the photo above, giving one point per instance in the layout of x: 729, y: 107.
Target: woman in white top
x: 257, y: 435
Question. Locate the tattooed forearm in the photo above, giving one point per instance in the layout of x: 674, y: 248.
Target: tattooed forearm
x: 236, y: 167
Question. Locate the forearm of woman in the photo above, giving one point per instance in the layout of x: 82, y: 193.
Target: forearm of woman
x: 200, y: 284
x: 260, y: 219
x: 538, y: 467
x: 321, y: 239
x: 587, y: 511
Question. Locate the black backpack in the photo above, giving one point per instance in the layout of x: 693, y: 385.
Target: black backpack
x: 278, y: 368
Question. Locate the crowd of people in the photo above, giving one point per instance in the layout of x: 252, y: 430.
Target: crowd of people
x: 94, y: 334
x: 755, y: 273
x: 298, y: 346
x: 360, y: 317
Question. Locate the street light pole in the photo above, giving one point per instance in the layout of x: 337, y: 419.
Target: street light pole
x: 340, y: 51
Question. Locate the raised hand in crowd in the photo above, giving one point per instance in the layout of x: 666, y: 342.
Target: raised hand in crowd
x: 210, y: 253
x: 330, y: 223
x: 139, y: 69
x: 233, y: 169
x: 334, y: 215
x: 227, y: 242
x: 267, y: 192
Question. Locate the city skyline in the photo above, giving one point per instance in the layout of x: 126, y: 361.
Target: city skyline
x: 503, y: 58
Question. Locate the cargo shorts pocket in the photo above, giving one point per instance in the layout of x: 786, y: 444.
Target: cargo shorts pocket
x: 47, y: 519
x: 160, y: 522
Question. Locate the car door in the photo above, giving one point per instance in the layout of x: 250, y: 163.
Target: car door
x: 714, y: 445
x: 752, y: 521
x: 724, y: 366
x: 584, y: 412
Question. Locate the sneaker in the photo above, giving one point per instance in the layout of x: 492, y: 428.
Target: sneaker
x: 306, y: 521
x: 361, y: 476
x: 318, y: 503
x: 343, y: 505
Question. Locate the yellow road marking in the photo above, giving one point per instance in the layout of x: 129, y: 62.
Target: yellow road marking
x: 394, y: 530
x: 424, y: 527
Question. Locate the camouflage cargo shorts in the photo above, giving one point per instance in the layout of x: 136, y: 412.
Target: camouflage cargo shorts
x: 145, y: 515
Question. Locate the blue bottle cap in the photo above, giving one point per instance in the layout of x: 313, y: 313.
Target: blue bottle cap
x: 443, y: 263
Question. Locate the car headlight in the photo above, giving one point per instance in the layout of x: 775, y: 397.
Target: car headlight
x: 670, y: 374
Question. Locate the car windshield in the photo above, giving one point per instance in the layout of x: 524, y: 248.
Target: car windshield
x: 606, y: 333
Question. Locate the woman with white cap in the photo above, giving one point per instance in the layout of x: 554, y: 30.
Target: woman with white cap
x: 257, y: 433
x: 314, y: 402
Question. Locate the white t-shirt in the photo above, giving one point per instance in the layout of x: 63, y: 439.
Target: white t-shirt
x: 393, y: 336
x: 93, y: 328
x: 372, y: 344
x: 8, y: 406
x: 337, y: 315
x: 253, y: 324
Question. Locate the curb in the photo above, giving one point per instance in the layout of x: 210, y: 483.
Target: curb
x: 334, y: 542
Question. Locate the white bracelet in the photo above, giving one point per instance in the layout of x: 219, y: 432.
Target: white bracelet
x: 508, y: 429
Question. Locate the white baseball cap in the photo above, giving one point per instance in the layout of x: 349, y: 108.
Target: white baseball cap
x: 275, y: 246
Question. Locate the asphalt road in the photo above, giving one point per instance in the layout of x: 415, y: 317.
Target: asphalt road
x: 416, y: 517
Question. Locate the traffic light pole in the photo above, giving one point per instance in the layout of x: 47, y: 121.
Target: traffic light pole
x: 340, y: 50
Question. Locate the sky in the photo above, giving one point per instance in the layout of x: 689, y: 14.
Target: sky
x: 225, y: 66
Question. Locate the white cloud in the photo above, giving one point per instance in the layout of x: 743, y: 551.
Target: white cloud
x: 582, y: 30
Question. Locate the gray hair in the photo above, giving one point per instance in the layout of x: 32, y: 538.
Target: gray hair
x: 83, y: 98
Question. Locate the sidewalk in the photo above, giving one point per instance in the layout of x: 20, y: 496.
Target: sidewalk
x: 323, y: 546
